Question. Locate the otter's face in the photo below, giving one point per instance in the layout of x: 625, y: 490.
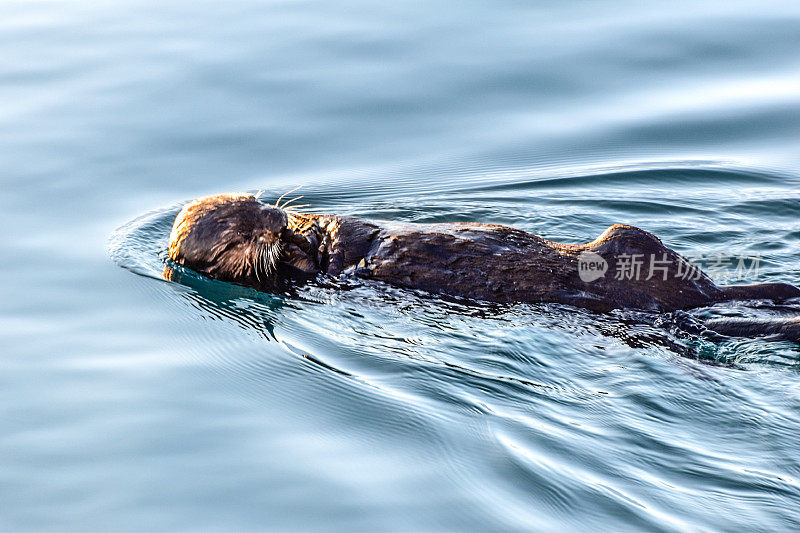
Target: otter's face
x: 230, y: 237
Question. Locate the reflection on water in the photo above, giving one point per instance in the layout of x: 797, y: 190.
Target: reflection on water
x: 134, y: 399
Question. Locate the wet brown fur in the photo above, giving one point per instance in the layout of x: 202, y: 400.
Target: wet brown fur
x: 470, y: 260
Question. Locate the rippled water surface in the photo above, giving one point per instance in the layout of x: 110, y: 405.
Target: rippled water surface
x: 130, y: 402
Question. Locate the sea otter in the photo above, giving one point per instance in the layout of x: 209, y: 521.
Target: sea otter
x: 239, y: 239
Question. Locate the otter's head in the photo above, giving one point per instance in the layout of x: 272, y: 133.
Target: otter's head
x: 230, y: 237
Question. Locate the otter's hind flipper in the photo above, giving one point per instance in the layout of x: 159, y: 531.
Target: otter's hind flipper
x: 779, y: 329
x: 777, y: 292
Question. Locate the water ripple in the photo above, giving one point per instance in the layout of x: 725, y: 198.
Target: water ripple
x: 535, y: 388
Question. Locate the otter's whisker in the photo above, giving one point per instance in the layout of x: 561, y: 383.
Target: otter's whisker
x: 295, y: 207
x: 274, y: 255
x: 260, y: 263
x: 278, y: 201
x: 287, y: 202
x: 256, y: 260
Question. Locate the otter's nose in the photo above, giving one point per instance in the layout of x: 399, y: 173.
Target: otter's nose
x: 269, y: 237
x: 274, y: 219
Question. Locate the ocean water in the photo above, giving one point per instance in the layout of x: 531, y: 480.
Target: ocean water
x: 131, y: 402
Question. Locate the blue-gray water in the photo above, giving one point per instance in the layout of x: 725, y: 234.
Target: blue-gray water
x: 131, y: 403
